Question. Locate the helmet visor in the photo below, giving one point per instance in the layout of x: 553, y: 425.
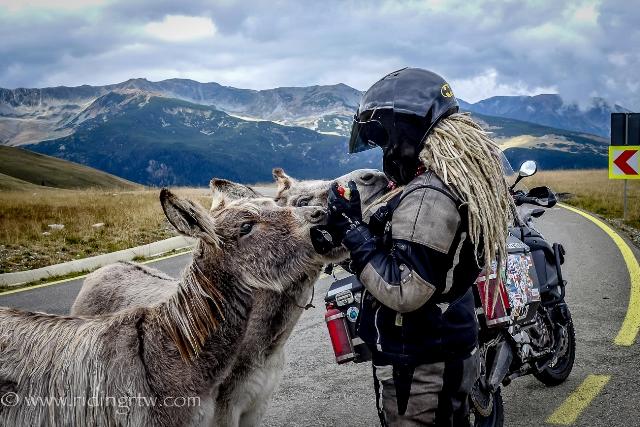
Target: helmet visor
x: 366, y: 135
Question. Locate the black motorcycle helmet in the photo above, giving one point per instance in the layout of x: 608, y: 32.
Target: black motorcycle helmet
x: 396, y: 114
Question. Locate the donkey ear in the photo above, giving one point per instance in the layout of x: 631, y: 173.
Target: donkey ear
x: 223, y: 190
x: 283, y: 180
x: 189, y: 218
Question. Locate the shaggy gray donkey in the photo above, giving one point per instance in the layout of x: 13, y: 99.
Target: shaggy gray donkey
x: 108, y: 371
x: 371, y: 182
x: 243, y: 396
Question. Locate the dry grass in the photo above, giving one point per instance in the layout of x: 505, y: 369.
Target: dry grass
x: 130, y: 219
x: 592, y: 190
x: 134, y: 218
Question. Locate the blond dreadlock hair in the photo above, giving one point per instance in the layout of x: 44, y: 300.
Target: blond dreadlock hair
x: 461, y: 153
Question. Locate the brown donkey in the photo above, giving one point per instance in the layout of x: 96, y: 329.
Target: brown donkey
x: 131, y: 368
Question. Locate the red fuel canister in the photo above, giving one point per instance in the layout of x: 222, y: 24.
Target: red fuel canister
x: 339, y: 334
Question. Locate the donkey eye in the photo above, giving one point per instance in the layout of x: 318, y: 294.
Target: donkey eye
x: 303, y: 202
x: 246, y: 228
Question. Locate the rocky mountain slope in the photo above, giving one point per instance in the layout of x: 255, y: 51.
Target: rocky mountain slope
x: 166, y: 141
x: 551, y: 148
x: 551, y: 110
x: 33, y: 115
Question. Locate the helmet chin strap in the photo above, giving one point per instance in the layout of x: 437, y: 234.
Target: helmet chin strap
x: 400, y: 174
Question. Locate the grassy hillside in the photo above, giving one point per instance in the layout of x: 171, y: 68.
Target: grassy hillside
x: 27, y: 167
x: 133, y: 218
x: 593, y: 191
x: 9, y: 183
x: 551, y: 148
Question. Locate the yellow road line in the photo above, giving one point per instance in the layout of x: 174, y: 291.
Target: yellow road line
x: 631, y: 325
x: 57, y: 282
x: 579, y: 400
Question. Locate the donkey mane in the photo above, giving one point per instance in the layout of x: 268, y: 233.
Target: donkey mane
x: 193, y: 312
x: 52, y: 355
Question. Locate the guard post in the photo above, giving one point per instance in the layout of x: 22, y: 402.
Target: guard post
x: 624, y: 151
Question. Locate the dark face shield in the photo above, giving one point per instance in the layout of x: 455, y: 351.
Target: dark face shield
x: 400, y: 161
x: 367, y: 134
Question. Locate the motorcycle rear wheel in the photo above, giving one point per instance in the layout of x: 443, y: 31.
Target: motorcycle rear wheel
x: 495, y: 418
x: 552, y: 376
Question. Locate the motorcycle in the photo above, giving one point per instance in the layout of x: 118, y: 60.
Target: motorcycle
x: 541, y: 341
x: 525, y: 325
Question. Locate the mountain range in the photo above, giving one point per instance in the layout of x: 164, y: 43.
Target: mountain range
x: 165, y: 141
x: 550, y: 110
x: 182, y: 132
x: 32, y: 115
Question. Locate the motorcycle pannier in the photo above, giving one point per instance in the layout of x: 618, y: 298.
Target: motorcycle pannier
x: 514, y: 298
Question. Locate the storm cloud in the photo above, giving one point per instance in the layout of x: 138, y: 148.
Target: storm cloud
x: 580, y: 49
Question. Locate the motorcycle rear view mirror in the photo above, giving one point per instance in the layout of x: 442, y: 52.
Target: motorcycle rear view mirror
x: 527, y: 168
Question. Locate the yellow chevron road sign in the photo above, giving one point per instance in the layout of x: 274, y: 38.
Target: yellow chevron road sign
x: 624, y: 162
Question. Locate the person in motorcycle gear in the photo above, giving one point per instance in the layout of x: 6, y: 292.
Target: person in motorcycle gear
x: 424, y: 247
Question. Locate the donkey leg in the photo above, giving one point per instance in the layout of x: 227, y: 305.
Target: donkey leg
x: 227, y: 415
x: 264, y: 381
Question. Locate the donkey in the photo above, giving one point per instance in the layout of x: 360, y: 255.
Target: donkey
x: 135, y: 366
x: 372, y: 184
x: 245, y: 393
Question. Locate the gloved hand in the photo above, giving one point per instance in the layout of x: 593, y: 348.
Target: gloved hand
x: 323, y: 239
x: 344, y: 210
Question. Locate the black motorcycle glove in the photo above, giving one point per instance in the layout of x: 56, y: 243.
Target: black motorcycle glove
x: 344, y: 214
x: 323, y: 238
x: 362, y: 245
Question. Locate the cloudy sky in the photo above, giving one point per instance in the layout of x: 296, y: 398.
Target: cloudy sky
x: 576, y: 48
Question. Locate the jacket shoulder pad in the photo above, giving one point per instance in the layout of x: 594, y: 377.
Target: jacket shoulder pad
x: 425, y: 215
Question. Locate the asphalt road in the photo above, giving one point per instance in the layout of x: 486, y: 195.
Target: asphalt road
x: 317, y: 391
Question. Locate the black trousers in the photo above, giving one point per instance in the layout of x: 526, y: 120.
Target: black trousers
x: 438, y: 393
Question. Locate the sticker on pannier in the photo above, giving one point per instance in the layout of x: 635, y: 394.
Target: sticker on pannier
x: 514, y: 298
x: 522, y: 290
